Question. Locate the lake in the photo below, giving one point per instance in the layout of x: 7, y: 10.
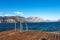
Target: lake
x: 43, y: 26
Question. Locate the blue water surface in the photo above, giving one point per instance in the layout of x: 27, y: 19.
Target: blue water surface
x: 43, y: 26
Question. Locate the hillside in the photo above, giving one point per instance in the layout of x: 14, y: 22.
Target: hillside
x: 28, y: 35
x: 35, y: 19
x: 12, y: 19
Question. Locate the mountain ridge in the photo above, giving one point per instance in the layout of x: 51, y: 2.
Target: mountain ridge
x: 13, y: 19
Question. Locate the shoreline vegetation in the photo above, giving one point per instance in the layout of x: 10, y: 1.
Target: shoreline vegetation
x: 28, y: 35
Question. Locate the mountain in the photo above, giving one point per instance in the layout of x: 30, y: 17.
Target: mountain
x: 59, y: 20
x: 51, y: 20
x: 35, y: 19
x: 12, y: 19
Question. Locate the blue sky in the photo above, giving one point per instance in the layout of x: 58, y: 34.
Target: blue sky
x: 47, y: 9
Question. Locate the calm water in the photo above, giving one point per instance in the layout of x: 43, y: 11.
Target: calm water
x: 44, y: 26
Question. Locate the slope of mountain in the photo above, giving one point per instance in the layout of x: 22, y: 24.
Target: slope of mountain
x: 35, y: 19
x: 12, y: 19
x: 59, y: 20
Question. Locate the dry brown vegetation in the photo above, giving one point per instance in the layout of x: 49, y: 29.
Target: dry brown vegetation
x: 28, y: 35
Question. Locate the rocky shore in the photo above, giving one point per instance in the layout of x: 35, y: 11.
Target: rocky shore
x: 28, y: 35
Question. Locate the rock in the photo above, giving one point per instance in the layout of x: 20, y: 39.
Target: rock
x: 12, y: 19
x: 35, y: 19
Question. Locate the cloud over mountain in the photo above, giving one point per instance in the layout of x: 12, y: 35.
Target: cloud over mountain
x: 19, y: 13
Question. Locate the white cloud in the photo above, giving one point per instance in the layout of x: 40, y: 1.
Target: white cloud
x: 19, y: 13
x: 2, y: 14
x: 11, y: 14
x: 7, y: 15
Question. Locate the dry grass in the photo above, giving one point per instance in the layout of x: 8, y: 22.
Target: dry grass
x: 28, y: 35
